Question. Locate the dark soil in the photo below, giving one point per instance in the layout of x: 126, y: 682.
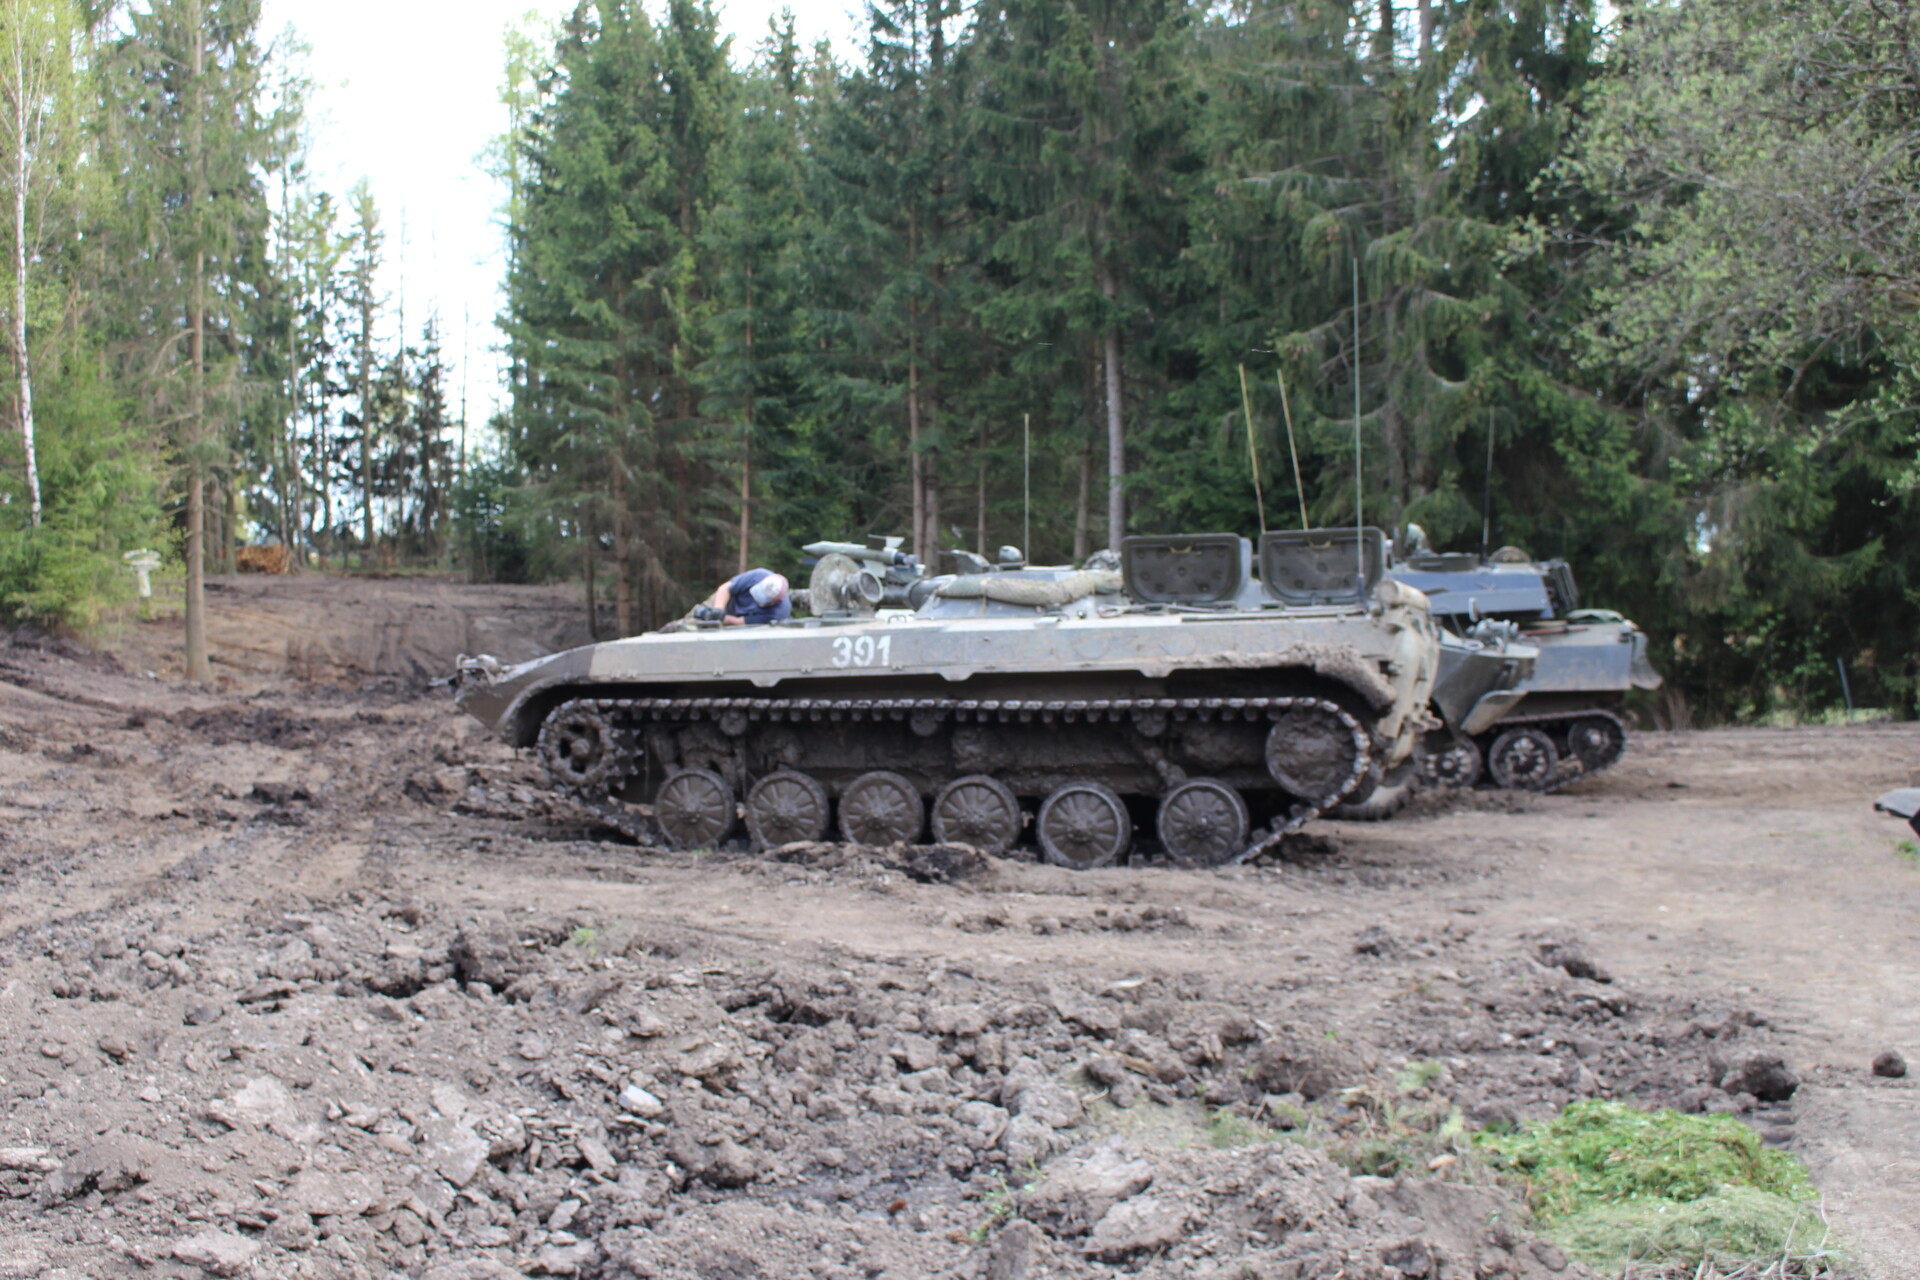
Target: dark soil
x: 308, y: 979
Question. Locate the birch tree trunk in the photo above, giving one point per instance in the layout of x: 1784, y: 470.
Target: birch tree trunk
x: 18, y: 332
x: 365, y: 373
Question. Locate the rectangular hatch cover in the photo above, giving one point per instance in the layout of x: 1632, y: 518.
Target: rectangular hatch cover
x: 1189, y: 568
x: 1322, y: 566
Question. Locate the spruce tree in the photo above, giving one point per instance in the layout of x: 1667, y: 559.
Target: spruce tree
x: 180, y: 122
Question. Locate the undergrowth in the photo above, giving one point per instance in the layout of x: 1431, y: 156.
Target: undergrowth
x: 1409, y: 1127
x: 1659, y: 1193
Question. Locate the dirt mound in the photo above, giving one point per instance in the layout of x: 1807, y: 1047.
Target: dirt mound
x: 333, y: 629
x: 366, y: 1083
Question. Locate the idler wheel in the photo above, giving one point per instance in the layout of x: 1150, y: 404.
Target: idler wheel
x: 786, y: 807
x: 1084, y: 825
x: 1523, y: 760
x: 977, y: 810
x: 1596, y: 742
x: 881, y: 808
x: 1317, y: 753
x: 1394, y: 792
x: 1203, y: 823
x: 1456, y: 768
x: 582, y: 750
x: 694, y: 807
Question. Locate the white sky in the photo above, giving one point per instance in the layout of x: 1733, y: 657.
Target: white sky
x: 407, y: 96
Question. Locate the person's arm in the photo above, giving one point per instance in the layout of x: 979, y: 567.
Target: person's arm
x: 714, y: 607
x: 733, y: 620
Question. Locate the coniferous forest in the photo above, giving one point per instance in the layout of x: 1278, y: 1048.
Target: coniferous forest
x: 1633, y: 285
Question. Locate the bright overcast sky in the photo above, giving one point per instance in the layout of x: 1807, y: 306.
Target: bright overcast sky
x: 407, y: 97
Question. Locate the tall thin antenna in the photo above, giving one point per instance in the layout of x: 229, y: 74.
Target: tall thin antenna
x: 1026, y: 485
x: 1253, y: 459
x: 1359, y: 525
x: 1299, y: 487
x: 1486, y: 501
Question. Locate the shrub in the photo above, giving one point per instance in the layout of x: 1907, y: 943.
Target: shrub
x: 100, y: 497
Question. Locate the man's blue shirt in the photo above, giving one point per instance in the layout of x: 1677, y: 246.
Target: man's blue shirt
x: 740, y: 600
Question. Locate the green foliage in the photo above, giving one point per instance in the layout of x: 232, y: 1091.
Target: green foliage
x: 495, y: 528
x: 100, y: 483
x: 1748, y: 303
x: 606, y: 294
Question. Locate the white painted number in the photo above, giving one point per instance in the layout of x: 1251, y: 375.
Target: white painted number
x: 862, y: 651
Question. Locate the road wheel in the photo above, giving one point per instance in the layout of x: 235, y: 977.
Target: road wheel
x: 1523, y: 760
x: 881, y: 808
x: 979, y: 811
x: 1457, y: 767
x: 786, y: 807
x: 1203, y: 823
x: 1597, y: 742
x: 694, y: 809
x: 1084, y: 825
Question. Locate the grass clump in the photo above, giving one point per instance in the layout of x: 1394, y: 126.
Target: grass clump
x: 1227, y: 1130
x: 997, y: 1206
x: 1615, y: 1185
x: 1730, y: 1231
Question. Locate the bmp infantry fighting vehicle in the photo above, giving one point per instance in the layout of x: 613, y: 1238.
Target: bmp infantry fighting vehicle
x: 1564, y: 721
x: 1216, y: 708
x: 1483, y: 672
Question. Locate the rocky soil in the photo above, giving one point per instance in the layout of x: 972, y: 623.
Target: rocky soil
x: 305, y: 976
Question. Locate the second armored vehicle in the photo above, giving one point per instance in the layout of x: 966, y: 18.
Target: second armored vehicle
x: 1567, y: 719
x: 1186, y: 696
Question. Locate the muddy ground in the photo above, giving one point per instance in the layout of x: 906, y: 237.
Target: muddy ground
x: 302, y: 975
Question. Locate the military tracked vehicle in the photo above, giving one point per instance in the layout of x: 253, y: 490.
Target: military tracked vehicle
x: 1185, y: 695
x: 1482, y: 674
x: 1566, y: 719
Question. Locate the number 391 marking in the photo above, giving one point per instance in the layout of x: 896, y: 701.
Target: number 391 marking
x: 862, y: 651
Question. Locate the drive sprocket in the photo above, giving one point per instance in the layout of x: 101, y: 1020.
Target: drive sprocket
x: 584, y: 750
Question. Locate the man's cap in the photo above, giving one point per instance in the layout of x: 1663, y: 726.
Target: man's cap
x: 769, y: 590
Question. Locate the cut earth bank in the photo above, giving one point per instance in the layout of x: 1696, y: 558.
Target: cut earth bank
x: 303, y: 975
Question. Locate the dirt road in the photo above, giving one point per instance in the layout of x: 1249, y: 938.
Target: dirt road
x: 309, y: 978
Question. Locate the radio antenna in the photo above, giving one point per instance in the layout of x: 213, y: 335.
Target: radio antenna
x: 1026, y: 486
x: 1486, y: 501
x: 1359, y: 525
x: 1253, y: 459
x: 1293, y: 450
